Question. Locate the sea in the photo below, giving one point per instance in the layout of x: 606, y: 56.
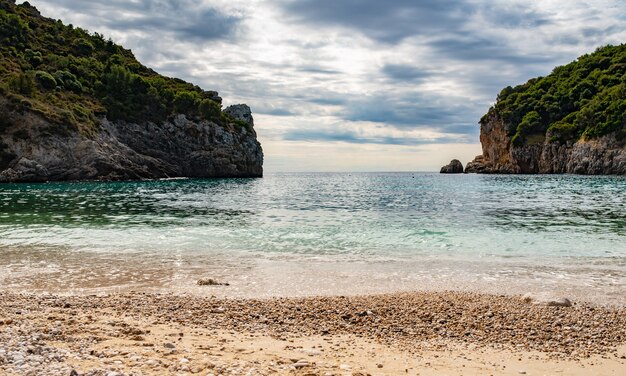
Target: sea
x: 309, y: 234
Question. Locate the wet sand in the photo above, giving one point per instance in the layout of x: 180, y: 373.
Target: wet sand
x: 83, y: 272
x: 425, y: 333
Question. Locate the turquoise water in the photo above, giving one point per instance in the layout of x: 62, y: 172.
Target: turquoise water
x: 400, y: 230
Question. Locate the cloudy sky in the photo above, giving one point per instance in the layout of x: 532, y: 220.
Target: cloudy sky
x: 355, y: 85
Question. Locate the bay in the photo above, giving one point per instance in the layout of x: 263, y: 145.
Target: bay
x: 292, y: 234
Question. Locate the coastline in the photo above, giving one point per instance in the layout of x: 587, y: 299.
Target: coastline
x: 411, y: 333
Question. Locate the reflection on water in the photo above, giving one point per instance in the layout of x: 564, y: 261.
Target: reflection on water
x: 481, y: 225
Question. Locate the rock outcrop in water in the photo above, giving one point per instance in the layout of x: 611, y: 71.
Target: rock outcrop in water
x: 74, y: 106
x: 571, y: 121
x: 454, y: 167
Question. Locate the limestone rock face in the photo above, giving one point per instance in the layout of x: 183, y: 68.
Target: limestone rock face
x: 455, y: 167
x: 29, y: 152
x: 544, y: 155
x: 240, y: 112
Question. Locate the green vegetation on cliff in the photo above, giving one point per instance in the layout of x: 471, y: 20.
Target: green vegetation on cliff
x: 584, y: 99
x: 73, y: 77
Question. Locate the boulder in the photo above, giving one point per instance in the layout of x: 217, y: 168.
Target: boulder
x: 476, y: 166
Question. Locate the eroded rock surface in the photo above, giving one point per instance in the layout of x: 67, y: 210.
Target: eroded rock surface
x: 31, y: 152
x: 545, y: 155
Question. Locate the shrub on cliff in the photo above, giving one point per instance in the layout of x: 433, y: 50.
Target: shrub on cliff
x: 584, y: 99
x: 22, y: 83
x: 209, y: 109
x: 46, y: 80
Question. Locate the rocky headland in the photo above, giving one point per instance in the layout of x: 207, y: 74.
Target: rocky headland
x: 605, y: 155
x: 76, y: 106
x: 571, y: 121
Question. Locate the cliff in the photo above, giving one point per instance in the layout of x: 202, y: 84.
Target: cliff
x: 74, y: 106
x: 119, y: 150
x: 571, y: 121
x: 605, y: 155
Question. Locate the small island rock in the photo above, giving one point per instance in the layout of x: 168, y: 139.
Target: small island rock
x: 455, y: 167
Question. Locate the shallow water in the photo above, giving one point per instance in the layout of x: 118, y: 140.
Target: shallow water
x: 309, y: 234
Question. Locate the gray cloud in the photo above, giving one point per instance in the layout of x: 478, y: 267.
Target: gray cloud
x: 328, y: 101
x: 600, y: 31
x: 319, y: 70
x: 412, y: 111
x: 354, y: 138
x: 273, y: 111
x: 475, y: 48
x: 385, y: 21
x: 183, y: 19
x: 514, y: 16
x: 443, y: 25
x: 400, y: 72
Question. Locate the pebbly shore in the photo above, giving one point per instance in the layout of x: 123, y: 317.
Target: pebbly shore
x: 141, y: 333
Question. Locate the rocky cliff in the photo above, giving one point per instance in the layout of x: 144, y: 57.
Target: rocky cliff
x: 571, y: 121
x: 545, y: 154
x: 119, y: 150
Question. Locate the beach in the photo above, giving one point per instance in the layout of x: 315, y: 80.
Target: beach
x: 285, y: 211
x: 315, y: 274
x: 419, y: 333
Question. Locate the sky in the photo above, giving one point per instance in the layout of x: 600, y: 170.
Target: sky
x: 355, y: 85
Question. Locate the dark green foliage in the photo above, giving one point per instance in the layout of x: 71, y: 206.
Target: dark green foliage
x: 209, y: 109
x: 45, y: 80
x: 33, y: 57
x: 186, y: 101
x: 82, y: 47
x: 13, y: 29
x: 68, y: 81
x: 71, y: 76
x: 586, y: 98
x: 22, y: 83
x: 563, y: 132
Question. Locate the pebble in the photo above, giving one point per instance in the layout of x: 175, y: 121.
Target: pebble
x: 301, y: 363
x: 210, y: 282
x: 403, y: 319
x: 546, y: 299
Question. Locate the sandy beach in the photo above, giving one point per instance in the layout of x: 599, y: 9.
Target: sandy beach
x: 438, y: 333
